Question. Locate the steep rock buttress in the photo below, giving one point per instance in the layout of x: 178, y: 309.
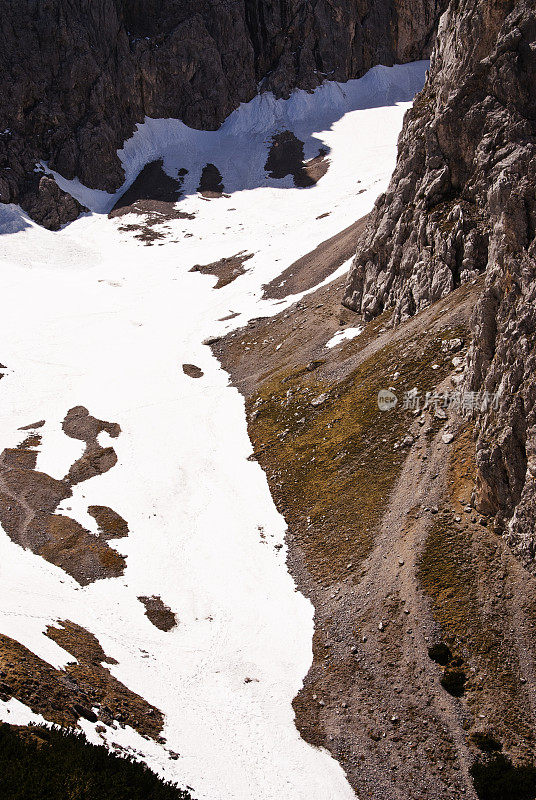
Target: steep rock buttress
x: 462, y: 201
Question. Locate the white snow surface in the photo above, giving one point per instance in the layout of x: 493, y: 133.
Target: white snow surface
x: 343, y: 336
x: 90, y: 316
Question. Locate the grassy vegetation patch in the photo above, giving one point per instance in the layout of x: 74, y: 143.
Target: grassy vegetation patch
x: 320, y: 442
x: 464, y: 572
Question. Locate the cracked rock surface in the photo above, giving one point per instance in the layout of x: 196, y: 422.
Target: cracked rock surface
x: 77, y: 75
x: 461, y: 201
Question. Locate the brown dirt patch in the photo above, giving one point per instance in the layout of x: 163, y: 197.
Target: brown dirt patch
x: 29, y: 499
x: 82, y: 690
x: 192, y: 371
x: 313, y: 170
x: 111, y: 524
x: 96, y: 460
x: 33, y: 426
x: 310, y: 270
x: 226, y: 269
x: 158, y: 613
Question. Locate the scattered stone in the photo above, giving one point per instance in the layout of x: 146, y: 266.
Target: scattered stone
x: 192, y: 371
x: 158, y: 613
x: 452, y: 345
x: 226, y: 269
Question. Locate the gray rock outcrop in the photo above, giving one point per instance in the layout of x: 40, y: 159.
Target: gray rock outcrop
x: 77, y: 75
x: 462, y: 201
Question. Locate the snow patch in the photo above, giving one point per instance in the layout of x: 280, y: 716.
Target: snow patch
x: 342, y: 336
x: 16, y: 713
x: 238, y: 147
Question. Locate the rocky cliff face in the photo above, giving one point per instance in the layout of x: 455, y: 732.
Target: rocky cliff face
x: 462, y: 201
x: 78, y: 74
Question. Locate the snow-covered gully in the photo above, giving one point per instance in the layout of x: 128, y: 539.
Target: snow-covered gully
x: 91, y: 316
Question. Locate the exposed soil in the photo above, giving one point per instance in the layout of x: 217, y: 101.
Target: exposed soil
x: 158, y: 613
x: 29, y: 499
x: 192, y: 371
x: 286, y: 157
x: 311, y: 269
x: 226, y: 269
x: 312, y: 170
x: 152, y: 191
x: 422, y: 679
x: 111, y: 524
x: 153, y: 196
x: 95, y: 460
x: 211, y: 183
x: 33, y: 426
x: 85, y: 689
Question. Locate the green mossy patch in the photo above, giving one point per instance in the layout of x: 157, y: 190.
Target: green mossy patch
x: 320, y: 442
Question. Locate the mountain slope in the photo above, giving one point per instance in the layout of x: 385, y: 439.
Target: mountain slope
x: 462, y: 201
x: 77, y: 75
x: 130, y: 487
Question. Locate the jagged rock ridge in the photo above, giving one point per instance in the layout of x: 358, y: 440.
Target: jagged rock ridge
x: 78, y: 74
x: 462, y: 200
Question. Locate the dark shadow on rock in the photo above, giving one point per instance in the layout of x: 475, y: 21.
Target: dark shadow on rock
x: 286, y: 157
x: 495, y: 777
x: 153, y: 196
x: 211, y: 183
x: 153, y: 191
